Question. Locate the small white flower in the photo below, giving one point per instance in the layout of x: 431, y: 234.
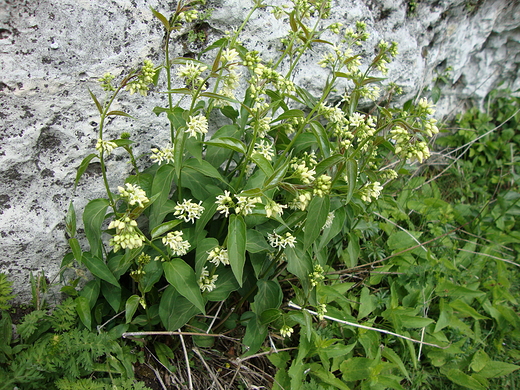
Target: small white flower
x: 371, y: 191
x: 105, y: 146
x: 265, y: 149
x: 218, y: 255
x: 207, y: 283
x: 273, y: 209
x: 174, y: 240
x: 224, y: 203
x: 330, y: 219
x: 197, y: 125
x: 277, y: 241
x: 286, y: 331
x: 188, y: 210
x: 163, y: 155
x: 246, y: 204
x: 133, y: 194
x: 126, y: 235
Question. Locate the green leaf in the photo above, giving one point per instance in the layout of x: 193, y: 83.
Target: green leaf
x: 228, y: 143
x: 299, y: 263
x: 414, y: 321
x: 466, y: 310
x: 91, y: 292
x: 237, y: 245
x: 322, y: 137
x: 175, y: 310
x: 76, y: 249
x: 112, y: 294
x: 263, y: 163
x: 351, y: 255
x: 164, y: 228
x: 119, y: 113
x: 328, y: 377
x: 355, y: 369
x: 269, y: 316
x: 289, y: 114
x: 450, y: 289
x: 83, y: 310
x: 153, y: 272
x: 98, y: 105
x: 352, y: 173
x: 98, y: 268
x: 269, y: 296
x: 277, y: 176
x: 70, y: 221
x: 181, y: 276
x: 460, y: 378
x: 83, y: 167
x: 162, y: 184
x: 256, y: 242
x: 317, y: 213
x: 367, y: 303
x: 225, y: 285
x: 390, y: 355
x: 254, y: 337
x: 93, y: 217
x: 161, y: 18
x: 130, y: 307
x: 205, y: 168
x: 496, y: 369
x: 327, y: 163
x: 479, y: 360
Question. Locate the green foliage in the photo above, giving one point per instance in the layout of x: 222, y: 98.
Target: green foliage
x: 6, y: 292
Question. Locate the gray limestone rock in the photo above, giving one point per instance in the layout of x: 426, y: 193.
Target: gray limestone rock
x: 52, y: 52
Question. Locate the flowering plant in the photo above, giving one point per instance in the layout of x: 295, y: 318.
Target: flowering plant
x: 231, y: 214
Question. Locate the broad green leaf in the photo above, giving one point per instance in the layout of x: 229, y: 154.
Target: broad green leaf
x: 277, y: 176
x: 414, y: 321
x: 289, y: 114
x: 162, y: 184
x: 83, y: 167
x: 450, y: 289
x: 351, y: 254
x: 175, y: 310
x: 367, y: 303
x: 164, y: 228
x: 205, y: 168
x: 328, y: 377
x: 269, y: 316
x: 83, y: 310
x: 389, y: 354
x: 119, y: 113
x: 91, y: 292
x: 317, y: 213
x: 237, y: 245
x: 153, y: 272
x: 462, y: 379
x: 130, y: 307
x: 112, y: 294
x: 327, y: 163
x: 254, y: 337
x: 93, y: 217
x: 299, y: 263
x: 479, y: 360
x: 228, y: 143
x: 269, y: 296
x: 256, y: 242
x: 99, y: 268
x: 352, y: 173
x: 263, y: 163
x: 355, y: 369
x: 322, y: 137
x: 225, y: 285
x: 181, y: 276
x: 496, y: 369
x: 466, y: 310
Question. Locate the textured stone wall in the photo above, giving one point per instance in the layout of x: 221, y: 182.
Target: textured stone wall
x: 51, y: 52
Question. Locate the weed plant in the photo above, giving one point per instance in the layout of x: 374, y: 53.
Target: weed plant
x: 293, y: 229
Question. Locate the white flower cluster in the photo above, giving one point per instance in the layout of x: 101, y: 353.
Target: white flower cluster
x: 127, y: 235
x: 197, y: 125
x: 191, y: 72
x: 164, y: 154
x: 286, y: 331
x: 144, y: 79
x: 218, y: 255
x: 330, y: 219
x: 274, y: 209
x: 301, y: 201
x: 224, y: 203
x: 322, y: 186
x: 105, y: 147
x: 407, y: 147
x: 371, y: 191
x: 246, y: 204
x: 264, y: 149
x: 262, y: 126
x: 316, y: 277
x: 279, y: 242
x: 178, y: 246
x: 188, y: 210
x: 133, y: 195
x: 206, y: 282
x: 189, y: 15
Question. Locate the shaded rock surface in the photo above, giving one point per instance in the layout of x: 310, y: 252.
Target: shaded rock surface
x: 51, y: 52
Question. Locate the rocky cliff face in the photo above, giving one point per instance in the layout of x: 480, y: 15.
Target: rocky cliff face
x: 53, y: 51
